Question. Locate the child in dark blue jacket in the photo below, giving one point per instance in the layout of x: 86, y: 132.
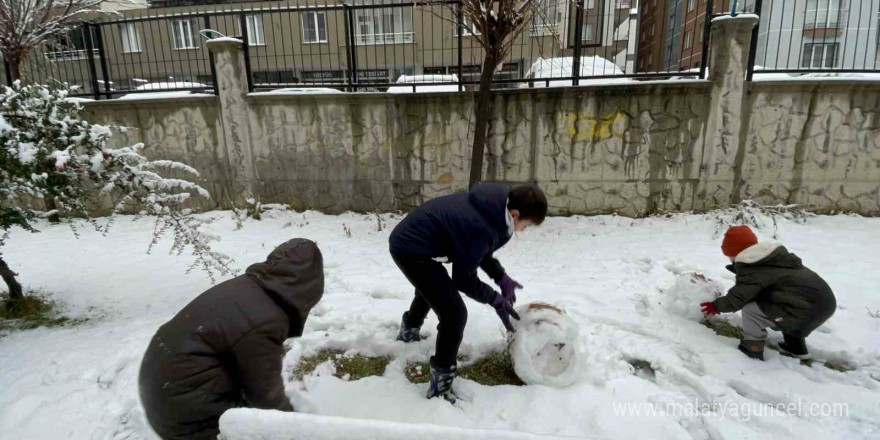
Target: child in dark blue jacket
x: 464, y: 229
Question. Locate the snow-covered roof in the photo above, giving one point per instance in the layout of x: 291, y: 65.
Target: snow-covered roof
x: 172, y: 85
x: 562, y: 67
x: 446, y: 83
x: 162, y: 95
x: 298, y: 91
x: 409, y: 79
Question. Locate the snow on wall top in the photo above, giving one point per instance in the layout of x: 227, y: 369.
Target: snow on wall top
x: 743, y: 17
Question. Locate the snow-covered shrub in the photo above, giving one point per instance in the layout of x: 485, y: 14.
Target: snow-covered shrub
x: 762, y: 217
x: 690, y: 289
x: 55, y: 164
x: 545, y: 347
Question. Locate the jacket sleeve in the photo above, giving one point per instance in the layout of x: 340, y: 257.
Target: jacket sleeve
x: 492, y: 267
x: 748, y: 287
x: 464, y: 275
x: 258, y: 362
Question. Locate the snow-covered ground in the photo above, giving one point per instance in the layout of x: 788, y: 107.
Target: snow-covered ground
x: 612, y: 274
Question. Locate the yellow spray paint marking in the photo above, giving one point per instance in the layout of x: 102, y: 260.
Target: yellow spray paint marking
x: 583, y: 128
x: 385, y: 146
x: 446, y: 178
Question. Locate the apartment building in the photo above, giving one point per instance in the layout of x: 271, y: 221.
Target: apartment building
x: 793, y: 34
x: 671, y: 33
x: 829, y: 34
x: 313, y: 42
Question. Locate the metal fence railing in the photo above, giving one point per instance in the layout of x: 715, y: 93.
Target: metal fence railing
x: 367, y: 45
x: 374, y: 45
x: 816, y: 36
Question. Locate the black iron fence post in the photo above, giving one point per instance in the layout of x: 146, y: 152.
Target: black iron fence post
x: 578, y: 43
x: 246, y: 47
x: 753, y: 47
x: 707, y: 29
x: 348, y: 48
x: 8, y: 70
x: 211, y: 60
x: 103, y: 56
x: 352, y: 44
x: 90, y: 53
x: 460, y: 29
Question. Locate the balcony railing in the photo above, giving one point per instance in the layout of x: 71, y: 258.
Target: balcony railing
x: 70, y: 55
x: 390, y: 38
x: 544, y: 29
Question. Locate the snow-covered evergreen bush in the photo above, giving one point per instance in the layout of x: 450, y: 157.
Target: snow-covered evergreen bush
x: 55, y: 164
x: 761, y: 217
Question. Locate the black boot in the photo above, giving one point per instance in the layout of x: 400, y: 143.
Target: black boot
x: 441, y: 383
x: 752, y: 349
x: 407, y: 333
x: 794, y: 346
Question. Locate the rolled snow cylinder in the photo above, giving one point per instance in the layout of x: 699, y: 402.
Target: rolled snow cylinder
x: 545, y: 349
x: 690, y: 289
x: 256, y: 424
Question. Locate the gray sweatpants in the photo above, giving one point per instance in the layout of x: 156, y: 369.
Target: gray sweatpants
x: 755, y: 323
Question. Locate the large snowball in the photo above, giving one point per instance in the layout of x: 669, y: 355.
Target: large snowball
x: 545, y: 348
x: 691, y: 289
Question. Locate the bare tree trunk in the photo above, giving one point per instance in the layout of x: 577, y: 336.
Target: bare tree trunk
x: 15, y: 291
x: 483, y: 111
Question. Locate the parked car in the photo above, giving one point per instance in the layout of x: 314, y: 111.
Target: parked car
x: 556, y: 72
x: 445, y: 83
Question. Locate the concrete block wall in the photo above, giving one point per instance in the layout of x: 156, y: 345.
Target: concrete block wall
x: 630, y: 149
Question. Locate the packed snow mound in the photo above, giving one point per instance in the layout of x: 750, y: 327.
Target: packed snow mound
x: 691, y: 289
x: 545, y: 348
x: 256, y: 424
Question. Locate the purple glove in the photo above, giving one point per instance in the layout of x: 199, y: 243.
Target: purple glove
x: 504, y: 309
x: 508, y: 288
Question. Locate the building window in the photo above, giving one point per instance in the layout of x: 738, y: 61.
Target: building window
x: 130, y: 37
x: 588, y: 32
x: 591, y: 4
x: 702, y: 29
x: 70, y: 45
x: 624, y: 4
x: 184, y: 37
x: 650, y: 59
x: 820, y: 55
x: 255, y: 34
x: 392, y: 25
x: 314, y: 27
x: 825, y: 14
x: 549, y: 17
x: 692, y: 5
x: 652, y: 29
x: 689, y: 40
x: 468, y: 27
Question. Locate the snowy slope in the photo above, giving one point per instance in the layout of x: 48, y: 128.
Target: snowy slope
x: 611, y: 274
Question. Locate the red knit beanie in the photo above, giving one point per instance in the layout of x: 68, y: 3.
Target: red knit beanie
x: 737, y: 239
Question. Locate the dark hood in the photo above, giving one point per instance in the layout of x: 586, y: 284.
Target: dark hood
x: 490, y: 199
x: 293, y: 275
